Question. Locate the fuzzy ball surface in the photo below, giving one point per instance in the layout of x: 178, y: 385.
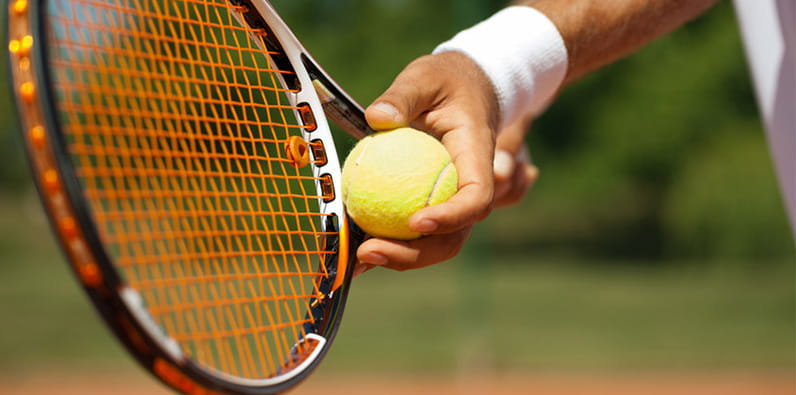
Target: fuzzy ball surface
x: 389, y: 176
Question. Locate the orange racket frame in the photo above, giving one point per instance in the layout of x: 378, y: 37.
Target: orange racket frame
x: 314, y: 96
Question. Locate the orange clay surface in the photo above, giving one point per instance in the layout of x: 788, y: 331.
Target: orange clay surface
x: 724, y: 383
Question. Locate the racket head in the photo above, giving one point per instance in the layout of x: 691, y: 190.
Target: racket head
x: 160, y: 164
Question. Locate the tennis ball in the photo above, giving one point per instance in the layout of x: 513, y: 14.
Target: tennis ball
x: 389, y: 176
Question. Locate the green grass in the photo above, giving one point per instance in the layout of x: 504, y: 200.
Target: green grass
x: 507, y: 313
x: 563, y: 315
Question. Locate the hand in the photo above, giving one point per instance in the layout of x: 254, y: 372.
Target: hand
x: 449, y: 97
x: 514, y: 172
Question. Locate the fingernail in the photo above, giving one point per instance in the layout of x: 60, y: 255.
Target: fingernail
x: 387, y: 109
x: 503, y: 164
x: 425, y: 226
x: 373, y: 259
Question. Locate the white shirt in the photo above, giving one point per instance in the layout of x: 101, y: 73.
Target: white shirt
x: 769, y: 31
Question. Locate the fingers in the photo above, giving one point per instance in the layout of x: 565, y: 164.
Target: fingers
x: 514, y: 174
x: 509, y: 150
x: 412, y: 254
x: 471, y: 203
x: 503, y: 166
x: 410, y: 94
x: 420, y: 93
x: 513, y: 190
x: 471, y: 150
x: 512, y: 138
x: 458, y: 106
x: 362, y: 268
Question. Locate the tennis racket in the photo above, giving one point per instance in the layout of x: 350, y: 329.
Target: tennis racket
x: 182, y: 152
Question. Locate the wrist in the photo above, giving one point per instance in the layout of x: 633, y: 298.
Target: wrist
x: 523, y: 56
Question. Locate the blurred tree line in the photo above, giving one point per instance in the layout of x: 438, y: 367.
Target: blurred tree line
x: 661, y: 155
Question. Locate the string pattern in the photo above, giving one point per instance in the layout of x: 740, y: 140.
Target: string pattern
x: 176, y: 124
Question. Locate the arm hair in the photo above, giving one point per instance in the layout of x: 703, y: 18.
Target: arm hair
x: 598, y: 32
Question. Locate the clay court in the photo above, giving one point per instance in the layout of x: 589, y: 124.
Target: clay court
x: 725, y: 383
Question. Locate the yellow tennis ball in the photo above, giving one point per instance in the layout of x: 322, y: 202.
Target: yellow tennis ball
x: 389, y: 176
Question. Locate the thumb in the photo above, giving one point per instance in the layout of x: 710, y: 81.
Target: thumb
x: 411, y: 94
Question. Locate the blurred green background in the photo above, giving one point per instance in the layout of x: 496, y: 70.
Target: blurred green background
x: 655, y: 239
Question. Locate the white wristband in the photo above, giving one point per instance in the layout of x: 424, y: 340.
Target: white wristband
x: 522, y: 53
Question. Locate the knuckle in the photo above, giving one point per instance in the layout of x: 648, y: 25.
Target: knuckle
x: 421, y: 60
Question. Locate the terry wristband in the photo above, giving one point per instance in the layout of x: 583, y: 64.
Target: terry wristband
x: 522, y: 53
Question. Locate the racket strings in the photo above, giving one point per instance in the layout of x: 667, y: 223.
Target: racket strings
x: 176, y: 120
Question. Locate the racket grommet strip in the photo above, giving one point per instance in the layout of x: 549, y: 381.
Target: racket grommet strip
x: 327, y: 187
x: 24, y: 64
x: 20, y: 6
x: 50, y: 181
x: 68, y: 227
x: 13, y: 46
x: 22, y: 46
x: 319, y: 152
x: 25, y: 45
x: 89, y: 274
x: 27, y: 91
x: 307, y: 118
x: 38, y: 136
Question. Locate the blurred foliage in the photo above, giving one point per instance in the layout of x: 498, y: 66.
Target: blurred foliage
x: 660, y: 155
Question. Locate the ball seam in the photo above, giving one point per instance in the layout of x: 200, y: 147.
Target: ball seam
x: 440, y: 176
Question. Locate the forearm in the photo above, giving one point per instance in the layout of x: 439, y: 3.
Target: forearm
x: 598, y: 32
